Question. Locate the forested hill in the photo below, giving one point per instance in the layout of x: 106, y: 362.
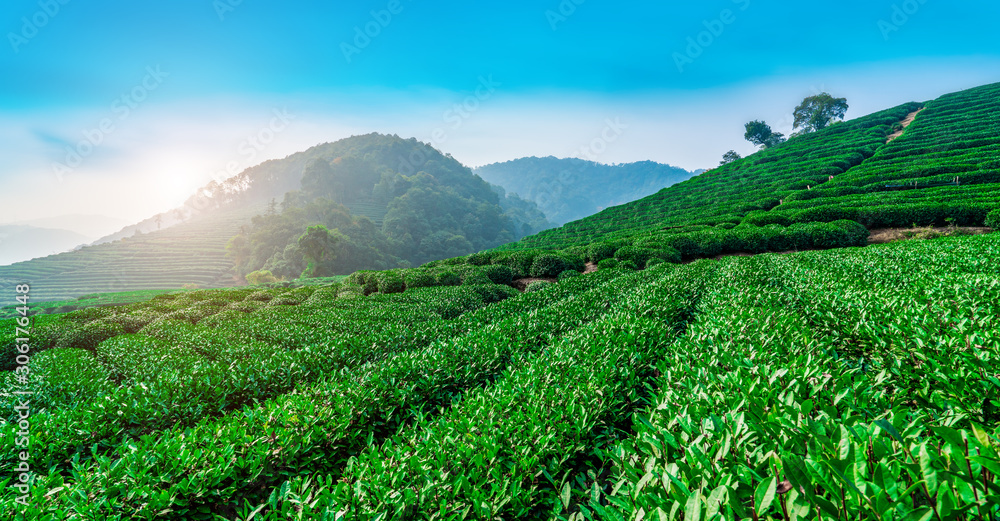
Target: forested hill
x: 570, y: 189
x: 378, y: 202
x: 386, y: 201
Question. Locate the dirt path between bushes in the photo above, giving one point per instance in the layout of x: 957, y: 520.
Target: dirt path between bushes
x: 905, y: 123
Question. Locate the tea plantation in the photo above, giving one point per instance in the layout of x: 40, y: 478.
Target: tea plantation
x: 652, y: 368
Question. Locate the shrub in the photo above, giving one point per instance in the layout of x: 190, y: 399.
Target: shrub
x: 599, y: 251
x: 418, y: 278
x: 628, y: 265
x: 857, y: 235
x: 538, y: 285
x: 607, y: 264
x: 480, y: 259
x: 548, y: 265
x: 260, y: 277
x: 669, y: 255
x: 709, y: 243
x: 653, y: 262
x: 520, y: 261
x: 993, y: 219
x: 760, y: 218
x: 349, y: 290
x: 499, y: 274
x: 826, y: 235
x: 568, y: 274
x: 634, y: 254
x: 684, y: 244
x: 390, y: 282
x: 89, y: 335
x: 475, y: 278
x: 259, y: 296
x: 448, y: 278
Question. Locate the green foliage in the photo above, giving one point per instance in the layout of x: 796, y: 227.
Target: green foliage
x: 260, y: 277
x: 89, y: 335
x: 634, y: 254
x: 816, y: 112
x: 419, y: 278
x: 607, y: 264
x: 993, y: 219
x: 601, y: 250
x: 390, y: 282
x: 379, y: 215
x: 538, y: 285
x: 548, y: 265
x: 568, y: 274
x: 499, y: 274
x: 448, y: 278
x: 476, y: 277
x: 729, y: 157
x: 761, y: 182
x: 760, y: 134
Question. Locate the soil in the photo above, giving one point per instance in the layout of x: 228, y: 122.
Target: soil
x: 884, y: 235
x: 905, y: 123
x: 522, y: 284
x: 590, y: 267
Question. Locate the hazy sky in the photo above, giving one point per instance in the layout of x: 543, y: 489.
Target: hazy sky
x: 124, y: 108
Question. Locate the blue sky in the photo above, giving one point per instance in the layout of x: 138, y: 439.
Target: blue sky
x: 169, y: 94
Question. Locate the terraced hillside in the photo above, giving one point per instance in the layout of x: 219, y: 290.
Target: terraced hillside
x: 944, y: 166
x: 751, y: 386
x: 188, y: 253
x: 943, y: 169
x: 857, y: 382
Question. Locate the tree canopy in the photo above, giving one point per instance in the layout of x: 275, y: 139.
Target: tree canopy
x: 729, y: 157
x: 384, y: 203
x: 816, y: 112
x: 760, y: 134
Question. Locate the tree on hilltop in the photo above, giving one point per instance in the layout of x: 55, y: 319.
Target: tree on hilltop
x: 760, y: 134
x: 816, y: 112
x: 729, y: 157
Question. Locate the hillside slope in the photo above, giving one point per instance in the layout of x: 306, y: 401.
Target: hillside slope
x: 570, y: 189
x: 943, y: 168
x: 396, y: 200
x: 849, y: 383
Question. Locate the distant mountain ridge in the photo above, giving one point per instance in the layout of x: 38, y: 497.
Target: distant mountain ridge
x: 569, y: 189
x: 20, y: 242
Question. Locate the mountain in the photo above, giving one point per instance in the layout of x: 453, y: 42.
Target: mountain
x: 569, y: 189
x: 90, y: 226
x: 835, y: 384
x: 941, y: 169
x: 21, y: 242
x: 383, y: 202
x: 387, y: 201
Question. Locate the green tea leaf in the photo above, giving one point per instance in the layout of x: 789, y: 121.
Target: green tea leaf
x: 764, y: 495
